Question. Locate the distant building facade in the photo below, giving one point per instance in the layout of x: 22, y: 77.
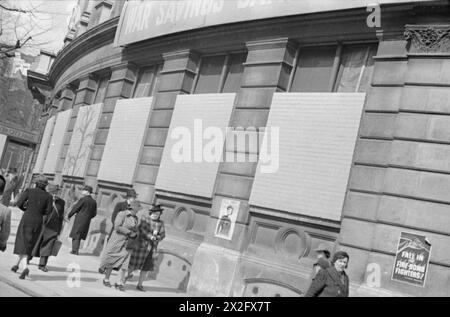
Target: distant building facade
x: 337, y: 120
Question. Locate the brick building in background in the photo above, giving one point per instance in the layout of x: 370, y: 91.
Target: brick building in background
x: 20, y: 115
x: 362, y: 111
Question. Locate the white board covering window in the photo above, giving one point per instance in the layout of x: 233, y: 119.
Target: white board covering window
x: 125, y: 138
x: 82, y: 140
x: 317, y: 136
x: 196, y: 173
x: 43, y: 148
x: 56, y: 143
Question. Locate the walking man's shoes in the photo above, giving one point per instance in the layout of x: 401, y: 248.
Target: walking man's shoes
x: 43, y: 268
x: 15, y: 268
x: 74, y: 252
x: 140, y: 288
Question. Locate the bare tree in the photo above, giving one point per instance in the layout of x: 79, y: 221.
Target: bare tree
x: 21, y: 25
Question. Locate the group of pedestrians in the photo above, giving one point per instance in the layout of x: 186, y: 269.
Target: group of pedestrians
x: 133, y: 241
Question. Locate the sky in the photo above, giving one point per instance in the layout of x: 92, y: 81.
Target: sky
x: 47, y: 25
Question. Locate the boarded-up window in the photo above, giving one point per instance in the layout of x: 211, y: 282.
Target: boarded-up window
x: 125, y: 138
x: 314, y: 69
x: 57, y: 140
x: 184, y: 167
x: 310, y: 169
x: 82, y: 140
x: 43, y: 148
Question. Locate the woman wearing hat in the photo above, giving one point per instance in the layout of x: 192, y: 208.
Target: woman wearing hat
x: 117, y: 252
x: 35, y: 202
x: 51, y: 229
x: 150, y: 232
x: 333, y: 281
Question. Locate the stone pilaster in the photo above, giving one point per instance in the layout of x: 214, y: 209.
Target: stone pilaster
x: 266, y: 71
x: 399, y: 181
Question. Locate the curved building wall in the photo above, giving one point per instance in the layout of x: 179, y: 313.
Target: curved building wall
x: 359, y: 158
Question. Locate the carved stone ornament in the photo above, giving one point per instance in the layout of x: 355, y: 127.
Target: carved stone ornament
x: 428, y: 38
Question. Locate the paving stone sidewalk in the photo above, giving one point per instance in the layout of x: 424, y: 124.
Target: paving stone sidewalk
x: 70, y: 275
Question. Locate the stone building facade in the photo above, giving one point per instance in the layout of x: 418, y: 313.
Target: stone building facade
x: 341, y: 111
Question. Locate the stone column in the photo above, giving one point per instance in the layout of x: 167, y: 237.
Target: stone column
x: 215, y: 270
x: 400, y: 180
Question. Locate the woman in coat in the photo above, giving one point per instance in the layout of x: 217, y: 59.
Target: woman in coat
x: 51, y: 229
x: 85, y: 209
x: 333, y: 281
x: 36, y: 203
x: 117, y: 253
x: 150, y: 232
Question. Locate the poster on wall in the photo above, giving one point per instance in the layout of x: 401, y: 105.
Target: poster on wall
x: 411, y: 260
x: 229, y: 210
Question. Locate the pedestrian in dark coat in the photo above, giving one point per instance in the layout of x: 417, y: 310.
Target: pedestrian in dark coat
x: 12, y: 186
x: 5, y: 218
x: 51, y: 229
x: 333, y: 281
x: 130, y: 196
x: 85, y: 209
x: 150, y: 232
x: 36, y: 203
x: 116, y: 255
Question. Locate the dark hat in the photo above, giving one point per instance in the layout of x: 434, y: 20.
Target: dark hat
x: 323, y: 248
x: 156, y: 208
x: 130, y: 193
x: 135, y: 205
x: 53, y: 188
x: 41, y: 179
x: 88, y: 188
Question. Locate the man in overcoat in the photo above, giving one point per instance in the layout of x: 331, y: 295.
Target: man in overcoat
x: 5, y: 218
x: 85, y: 209
x: 51, y: 229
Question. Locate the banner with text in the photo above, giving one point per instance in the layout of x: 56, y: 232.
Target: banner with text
x: 412, y: 258
x: 141, y: 20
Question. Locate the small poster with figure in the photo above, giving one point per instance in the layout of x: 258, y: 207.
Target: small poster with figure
x: 229, y: 210
x: 412, y: 258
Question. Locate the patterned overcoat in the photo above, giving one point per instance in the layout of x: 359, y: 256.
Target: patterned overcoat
x: 144, y: 246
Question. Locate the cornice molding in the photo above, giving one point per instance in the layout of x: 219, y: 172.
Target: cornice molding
x: 82, y: 45
x: 428, y: 38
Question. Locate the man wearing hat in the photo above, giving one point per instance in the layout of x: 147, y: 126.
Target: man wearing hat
x: 130, y: 196
x: 323, y: 258
x: 5, y: 218
x: 85, y: 209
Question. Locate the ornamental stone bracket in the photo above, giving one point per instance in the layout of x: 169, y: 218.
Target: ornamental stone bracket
x: 428, y: 38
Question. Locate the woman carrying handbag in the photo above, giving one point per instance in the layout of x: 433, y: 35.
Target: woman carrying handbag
x: 48, y: 243
x: 118, y: 249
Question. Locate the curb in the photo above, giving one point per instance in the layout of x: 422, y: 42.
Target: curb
x: 19, y: 287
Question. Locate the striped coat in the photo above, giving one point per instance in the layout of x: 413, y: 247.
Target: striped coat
x: 142, y: 254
